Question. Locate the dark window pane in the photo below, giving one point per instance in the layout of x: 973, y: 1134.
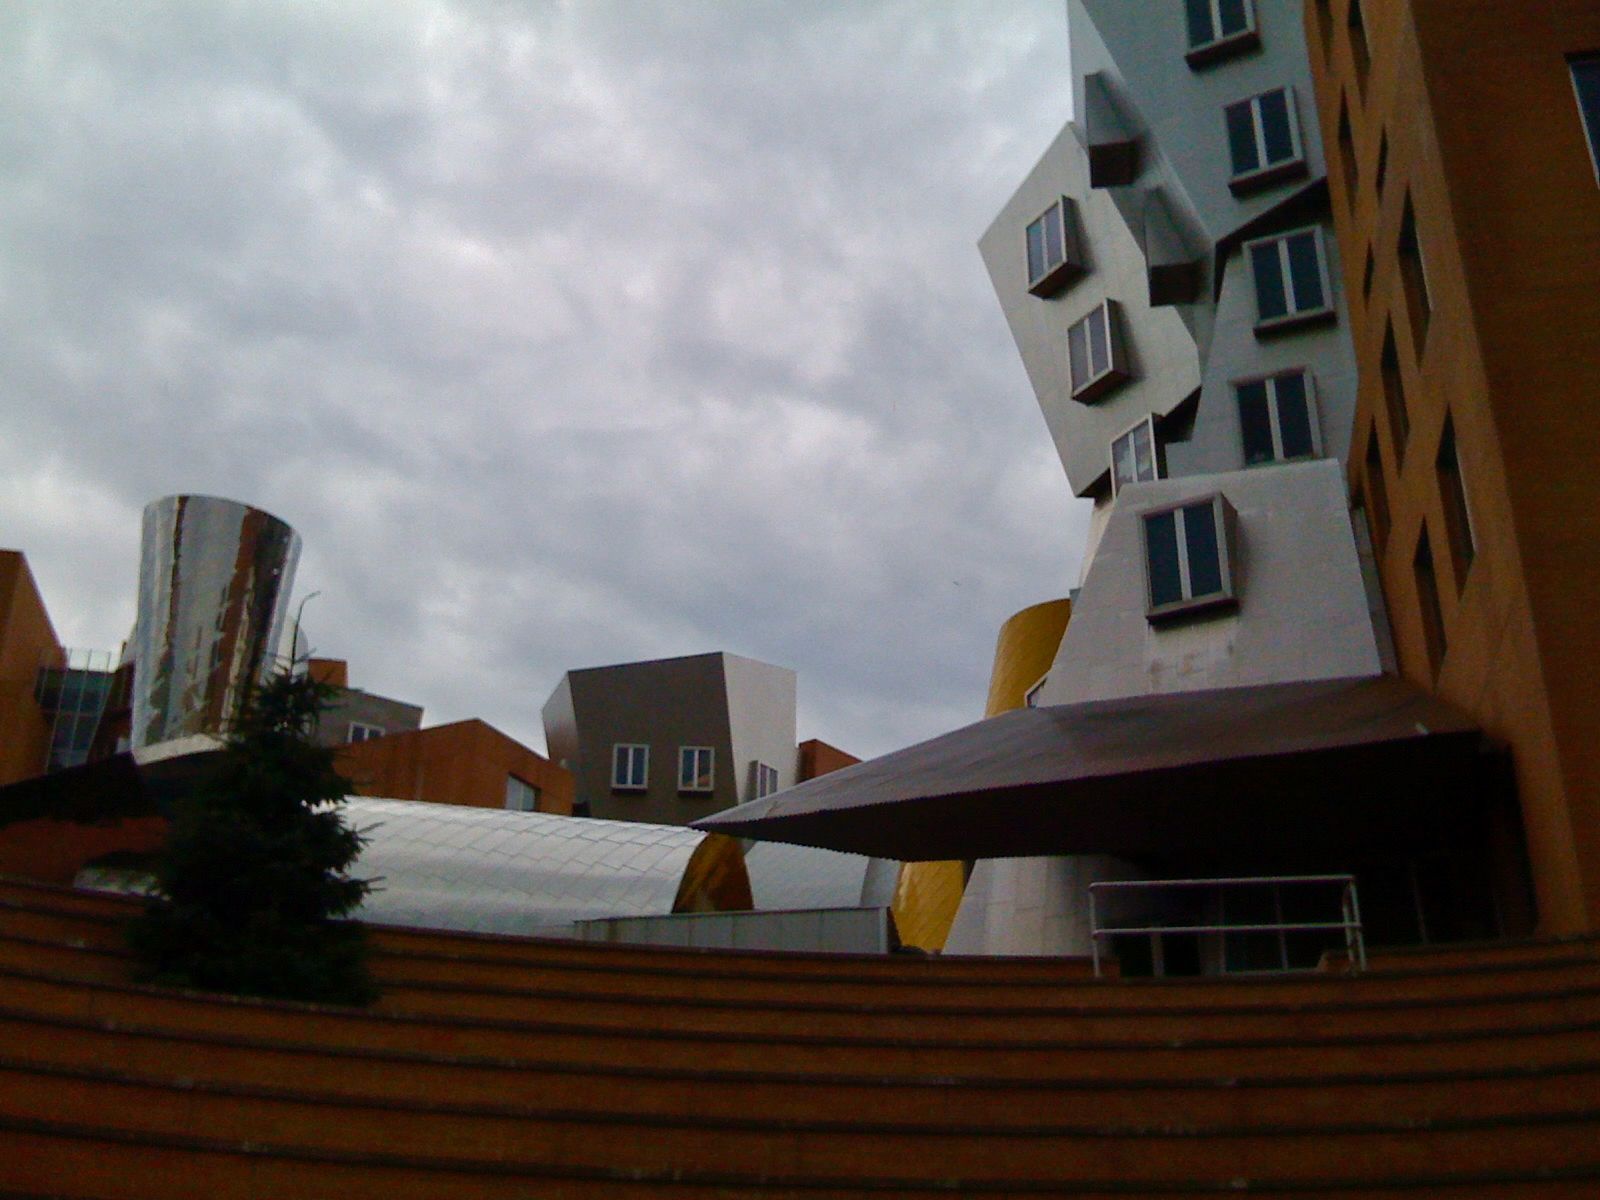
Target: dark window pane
x: 1306, y: 273
x: 1078, y: 353
x: 1254, y: 423
x: 1035, y: 250
x: 1275, y: 127
x: 1099, y: 346
x: 1271, y: 300
x: 1235, y: 17
x: 1200, y: 31
x: 1161, y: 542
x: 1144, y: 453
x: 1294, y: 417
x: 1200, y: 537
x: 1052, y: 238
x: 1586, y: 78
x: 1122, y: 465
x: 1242, y: 138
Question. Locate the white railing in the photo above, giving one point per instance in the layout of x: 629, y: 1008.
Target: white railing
x: 1349, y: 922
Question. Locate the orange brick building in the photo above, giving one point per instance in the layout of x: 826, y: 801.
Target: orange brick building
x: 27, y: 642
x: 1465, y: 202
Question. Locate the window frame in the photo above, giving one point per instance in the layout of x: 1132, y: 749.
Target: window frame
x: 1147, y: 423
x: 762, y: 773
x: 629, y: 752
x: 369, y: 733
x: 1241, y: 182
x: 1221, y: 45
x: 1030, y: 698
x: 1590, y: 60
x: 1116, y: 370
x: 530, y: 793
x: 1226, y: 597
x: 1295, y: 317
x: 1275, y: 417
x: 1057, y: 275
x: 690, y: 781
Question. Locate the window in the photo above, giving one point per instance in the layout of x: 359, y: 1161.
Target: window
x: 1324, y: 23
x: 1457, y: 517
x: 630, y: 767
x: 1428, y: 601
x: 1382, y: 171
x: 1263, y: 140
x: 1586, y: 82
x: 1291, y: 278
x: 1219, y: 28
x: 694, y: 768
x: 1053, y: 257
x: 1414, y: 278
x: 1277, y: 418
x: 360, y: 732
x: 1188, y: 553
x: 766, y: 779
x: 1347, y: 154
x: 521, y: 796
x: 1134, y: 456
x: 1366, y: 275
x: 1377, y: 492
x: 1394, y: 397
x: 1094, y: 353
x: 1360, y: 52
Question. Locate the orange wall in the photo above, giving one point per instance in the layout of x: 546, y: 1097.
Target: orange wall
x: 819, y: 758
x: 1476, y: 102
x: 27, y: 640
x: 463, y: 763
x: 55, y: 851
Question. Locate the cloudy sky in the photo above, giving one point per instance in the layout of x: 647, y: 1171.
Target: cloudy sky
x: 564, y: 333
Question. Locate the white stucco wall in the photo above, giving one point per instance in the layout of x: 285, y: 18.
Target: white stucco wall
x: 761, y: 719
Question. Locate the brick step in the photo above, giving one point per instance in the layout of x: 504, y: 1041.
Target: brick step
x: 695, y: 1142
x: 1491, y: 1046
x: 1340, y: 1010
x: 88, y: 1163
x: 1304, y: 1096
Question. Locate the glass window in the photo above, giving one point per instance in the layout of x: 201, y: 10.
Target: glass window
x: 1394, y: 396
x: 1218, y: 27
x: 521, y: 796
x: 1093, y: 353
x: 1187, y: 553
x: 1453, y: 492
x: 1414, y: 278
x: 1263, y: 141
x: 1290, y: 278
x: 1586, y: 82
x: 1275, y: 419
x: 766, y: 780
x: 1133, y: 456
x: 630, y: 766
x: 1052, y: 249
x: 1427, y: 582
x: 694, y: 768
x: 360, y: 732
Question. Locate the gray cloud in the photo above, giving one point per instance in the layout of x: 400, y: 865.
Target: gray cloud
x: 564, y: 333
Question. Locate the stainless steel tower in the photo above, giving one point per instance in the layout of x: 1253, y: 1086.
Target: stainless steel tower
x: 214, y: 583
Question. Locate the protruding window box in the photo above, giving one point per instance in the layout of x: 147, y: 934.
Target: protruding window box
x: 1096, y: 355
x: 1220, y: 29
x: 1191, y: 561
x: 1278, y: 419
x: 1136, y: 455
x: 1174, y: 266
x: 1111, y: 135
x: 1054, y: 256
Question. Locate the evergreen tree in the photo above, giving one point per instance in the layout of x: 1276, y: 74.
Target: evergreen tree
x: 254, y: 871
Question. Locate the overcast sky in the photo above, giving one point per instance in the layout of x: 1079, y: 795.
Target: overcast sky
x: 564, y: 333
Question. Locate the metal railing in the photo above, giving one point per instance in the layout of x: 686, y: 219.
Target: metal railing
x: 1349, y: 913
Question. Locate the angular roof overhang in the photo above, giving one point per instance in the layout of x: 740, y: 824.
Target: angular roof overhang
x: 1296, y: 767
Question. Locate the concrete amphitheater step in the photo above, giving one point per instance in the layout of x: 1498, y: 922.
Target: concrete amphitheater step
x: 1308, y: 1094
x: 1201, y: 1050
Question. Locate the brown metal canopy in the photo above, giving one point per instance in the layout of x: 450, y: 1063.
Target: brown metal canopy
x: 1292, y: 767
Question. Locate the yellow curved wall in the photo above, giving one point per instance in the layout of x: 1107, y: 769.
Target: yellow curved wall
x: 1024, y: 651
x: 927, y: 894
